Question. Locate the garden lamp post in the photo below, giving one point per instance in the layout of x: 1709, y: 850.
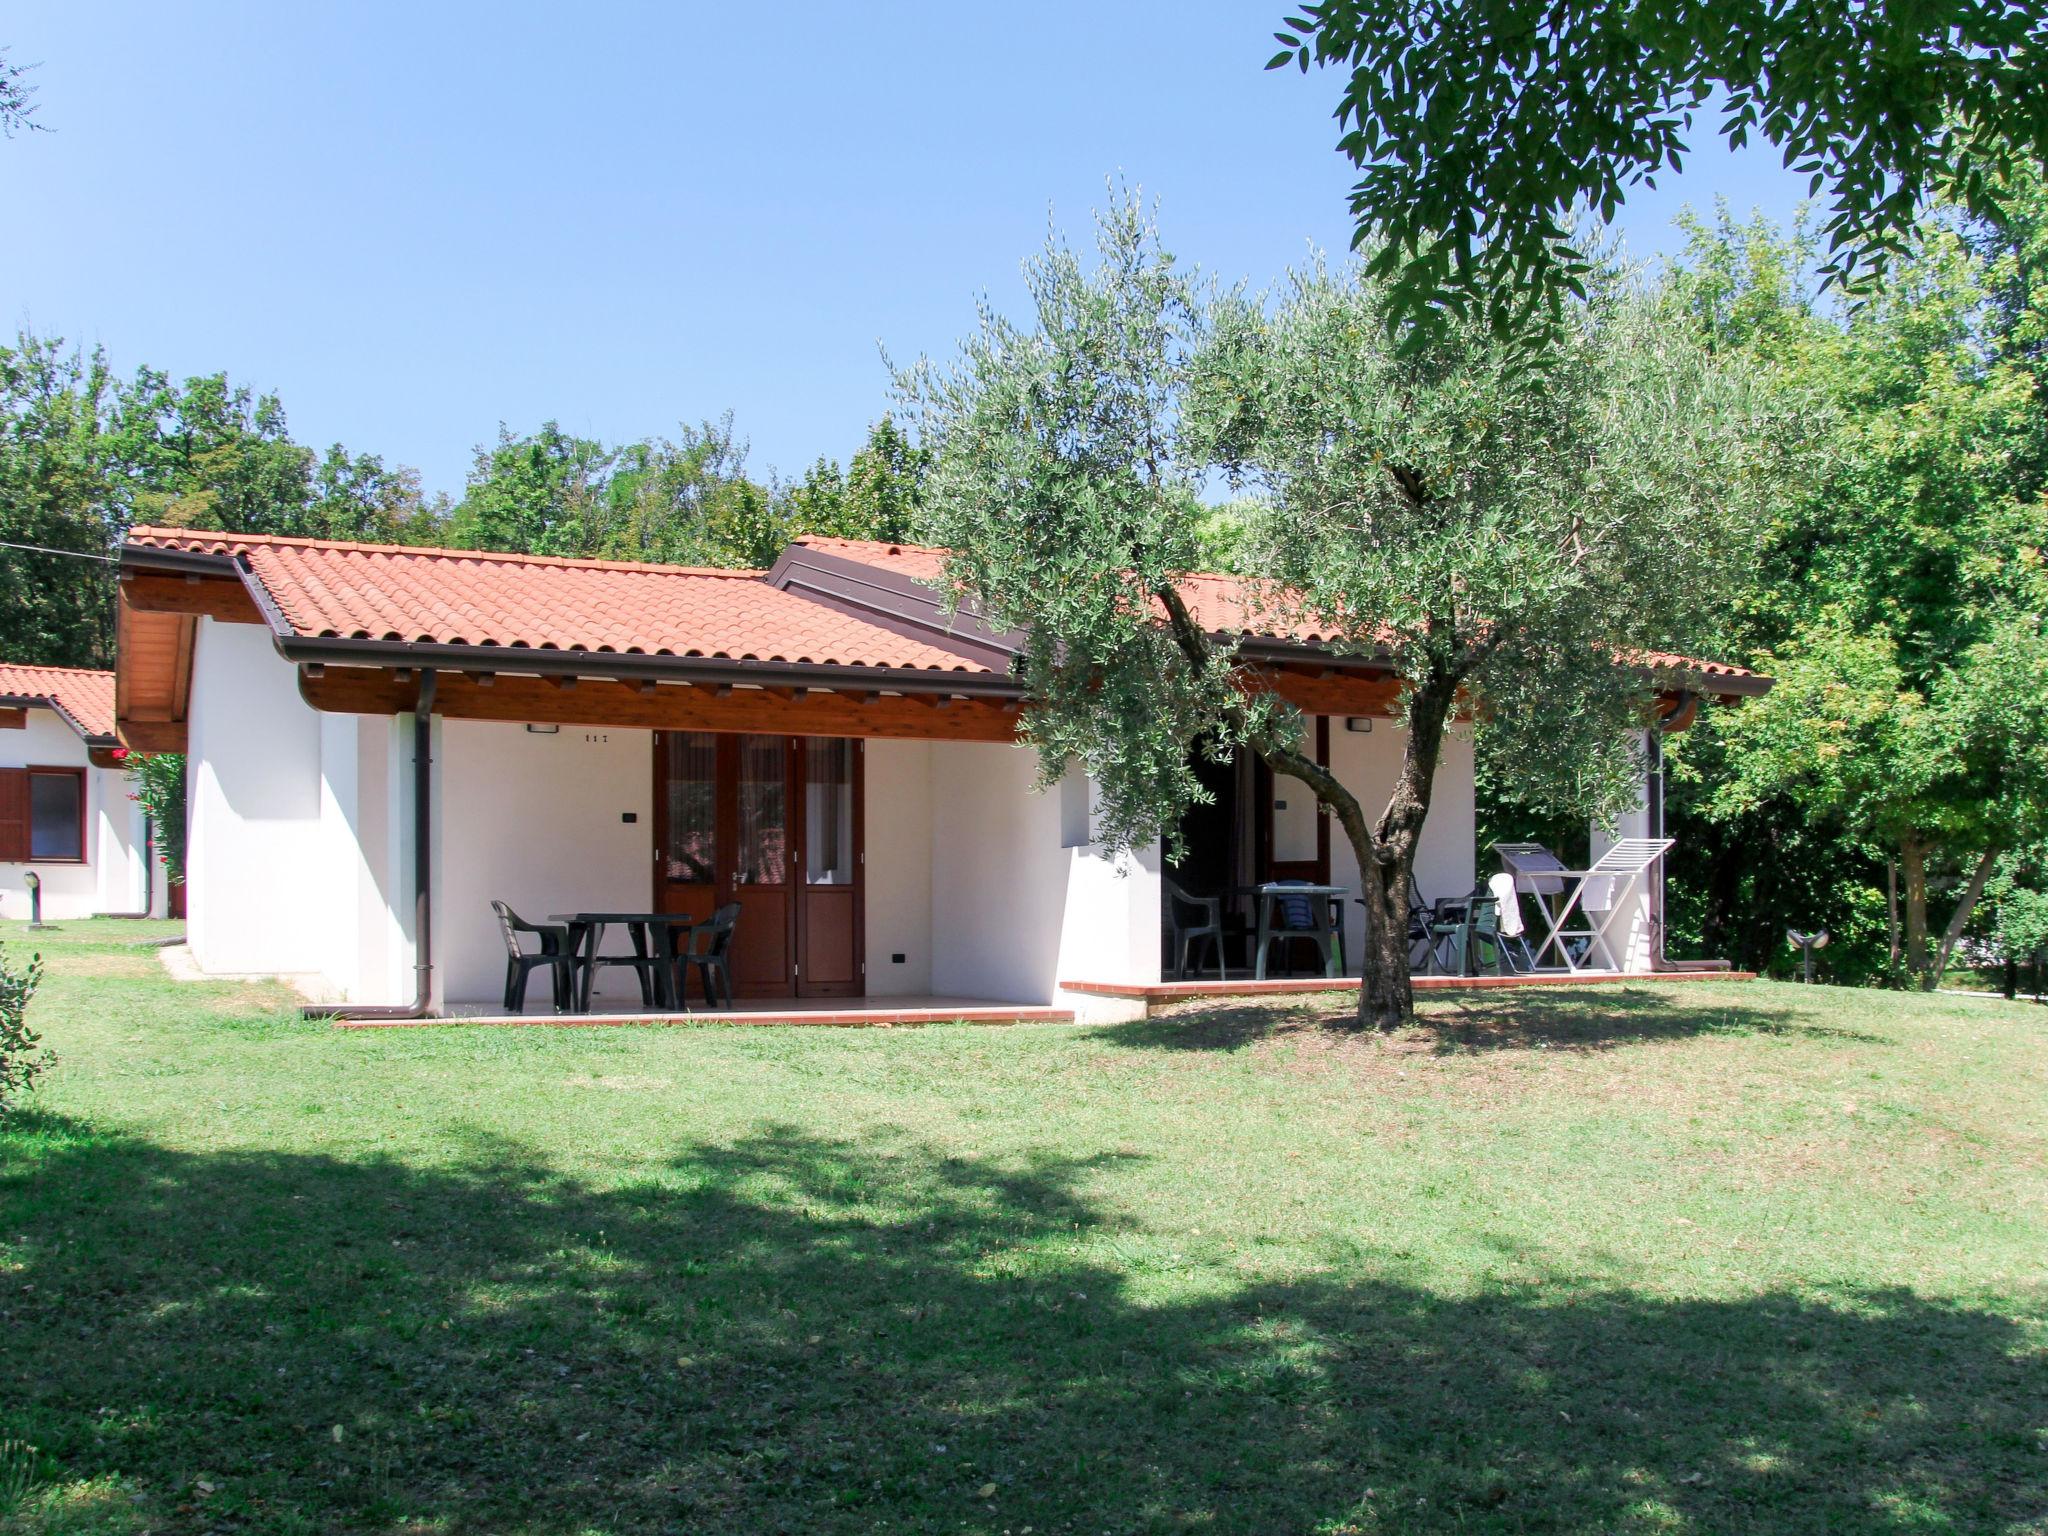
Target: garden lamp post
x: 34, y: 882
x: 1806, y: 944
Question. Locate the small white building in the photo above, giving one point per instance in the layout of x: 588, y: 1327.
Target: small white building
x: 66, y: 815
x: 819, y: 745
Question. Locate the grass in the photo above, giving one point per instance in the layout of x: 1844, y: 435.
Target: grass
x: 1715, y: 1258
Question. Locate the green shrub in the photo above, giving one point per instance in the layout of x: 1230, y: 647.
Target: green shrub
x: 21, y: 1062
x: 159, y: 781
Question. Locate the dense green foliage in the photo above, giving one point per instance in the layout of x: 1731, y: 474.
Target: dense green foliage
x: 1494, y: 533
x: 22, y: 1060
x: 1900, y: 601
x: 159, y: 787
x: 1480, y: 130
x: 1689, y: 1259
x: 86, y: 454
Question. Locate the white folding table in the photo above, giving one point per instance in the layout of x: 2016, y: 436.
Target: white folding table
x: 1594, y: 894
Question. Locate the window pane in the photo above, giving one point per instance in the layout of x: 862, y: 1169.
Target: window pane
x: 764, y: 813
x: 828, y: 811
x: 692, y: 807
x: 53, y: 809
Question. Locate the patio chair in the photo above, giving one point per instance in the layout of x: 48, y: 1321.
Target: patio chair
x: 714, y: 958
x: 1194, y: 921
x: 1451, y: 925
x: 555, y: 952
x: 1511, y: 936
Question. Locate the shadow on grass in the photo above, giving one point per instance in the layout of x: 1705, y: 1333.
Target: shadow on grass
x: 1585, y: 1020
x: 797, y: 1334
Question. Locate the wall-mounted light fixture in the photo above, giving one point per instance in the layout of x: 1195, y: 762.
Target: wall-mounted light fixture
x: 543, y: 730
x: 1362, y: 724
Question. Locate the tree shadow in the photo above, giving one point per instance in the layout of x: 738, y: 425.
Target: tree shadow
x: 1586, y: 1019
x: 793, y: 1333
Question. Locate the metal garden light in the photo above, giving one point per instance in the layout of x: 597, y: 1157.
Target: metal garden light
x: 1806, y: 944
x: 34, y: 882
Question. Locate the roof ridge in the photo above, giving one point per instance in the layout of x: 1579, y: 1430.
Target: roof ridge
x: 436, y: 551
x: 32, y: 666
x: 906, y: 546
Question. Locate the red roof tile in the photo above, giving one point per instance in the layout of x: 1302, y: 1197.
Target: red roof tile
x: 85, y: 699
x: 331, y: 589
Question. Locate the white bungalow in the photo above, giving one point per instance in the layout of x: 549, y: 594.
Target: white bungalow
x: 69, y: 831
x: 383, y: 741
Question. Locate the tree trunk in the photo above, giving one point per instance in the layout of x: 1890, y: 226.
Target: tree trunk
x: 1386, y: 992
x: 1913, y: 861
x: 1891, y: 912
x: 1386, y: 854
x: 1959, y: 919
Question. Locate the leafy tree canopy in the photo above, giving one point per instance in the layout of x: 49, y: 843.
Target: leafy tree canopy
x: 1496, y: 536
x: 1480, y: 129
x: 1903, y: 586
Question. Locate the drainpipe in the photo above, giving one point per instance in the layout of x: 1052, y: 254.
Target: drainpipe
x: 148, y: 873
x: 422, y: 873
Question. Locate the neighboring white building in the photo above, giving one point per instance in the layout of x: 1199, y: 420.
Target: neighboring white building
x: 65, y: 811
x: 819, y: 744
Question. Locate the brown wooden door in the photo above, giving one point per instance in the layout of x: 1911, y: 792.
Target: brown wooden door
x: 765, y: 852
x: 1294, y: 843
x: 774, y: 824
x: 829, y: 899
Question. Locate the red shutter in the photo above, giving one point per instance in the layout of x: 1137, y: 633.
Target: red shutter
x: 13, y: 815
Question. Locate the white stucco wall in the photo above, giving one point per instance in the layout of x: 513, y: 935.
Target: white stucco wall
x: 535, y: 821
x: 898, y: 872
x: 110, y: 878
x: 1368, y: 763
x: 120, y: 851
x: 1013, y: 911
x: 256, y: 868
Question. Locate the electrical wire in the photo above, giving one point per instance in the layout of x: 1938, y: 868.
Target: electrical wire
x: 44, y: 549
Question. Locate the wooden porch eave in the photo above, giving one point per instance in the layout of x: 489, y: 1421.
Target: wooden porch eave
x: 606, y: 702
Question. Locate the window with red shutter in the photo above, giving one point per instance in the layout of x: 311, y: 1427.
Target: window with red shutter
x: 13, y: 815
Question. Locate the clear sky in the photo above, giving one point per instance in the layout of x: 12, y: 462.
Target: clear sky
x: 414, y: 221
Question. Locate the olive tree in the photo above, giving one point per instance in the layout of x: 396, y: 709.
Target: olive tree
x: 1516, y: 546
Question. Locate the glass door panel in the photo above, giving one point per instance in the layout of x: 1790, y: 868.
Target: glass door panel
x: 691, y: 857
x: 762, y: 857
x: 828, y: 811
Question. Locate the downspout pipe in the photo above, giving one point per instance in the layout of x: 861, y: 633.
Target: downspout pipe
x: 148, y: 874
x: 422, y: 873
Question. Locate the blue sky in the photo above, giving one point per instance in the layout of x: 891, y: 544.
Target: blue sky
x: 416, y: 221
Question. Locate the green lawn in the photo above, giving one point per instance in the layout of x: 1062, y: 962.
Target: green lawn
x: 1707, y: 1258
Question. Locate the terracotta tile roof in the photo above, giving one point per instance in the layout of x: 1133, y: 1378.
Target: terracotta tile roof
x: 331, y: 589
x: 1221, y: 604
x: 84, y: 699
